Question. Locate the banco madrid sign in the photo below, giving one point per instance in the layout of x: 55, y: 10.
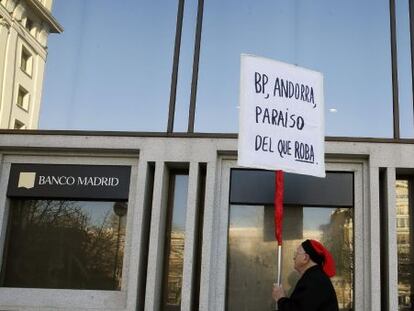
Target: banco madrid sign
x: 102, y: 182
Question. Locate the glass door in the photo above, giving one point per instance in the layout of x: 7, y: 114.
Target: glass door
x: 315, y: 208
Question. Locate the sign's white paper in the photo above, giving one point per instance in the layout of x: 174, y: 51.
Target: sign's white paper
x: 281, y: 125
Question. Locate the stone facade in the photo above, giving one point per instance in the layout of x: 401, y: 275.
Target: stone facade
x: 24, y: 28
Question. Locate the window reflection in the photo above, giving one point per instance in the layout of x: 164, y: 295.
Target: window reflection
x: 65, y: 244
x: 405, y: 254
x: 348, y: 41
x: 252, y: 257
x: 114, y: 59
x: 175, y: 243
x: 405, y: 93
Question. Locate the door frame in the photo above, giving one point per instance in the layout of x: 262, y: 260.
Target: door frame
x: 359, y: 167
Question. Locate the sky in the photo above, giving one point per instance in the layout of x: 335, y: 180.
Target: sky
x: 111, y: 67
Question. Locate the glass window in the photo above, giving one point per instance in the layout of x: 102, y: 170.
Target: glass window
x: 64, y: 244
x: 252, y: 252
x: 175, y: 240
x: 18, y: 125
x: 405, y: 92
x: 114, y: 59
x: 23, y: 98
x: 26, y: 61
x: 405, y: 253
x: 29, y: 24
x: 348, y: 41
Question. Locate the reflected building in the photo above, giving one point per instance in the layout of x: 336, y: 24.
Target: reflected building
x: 338, y: 235
x: 24, y: 29
x: 405, y: 260
x: 175, y: 271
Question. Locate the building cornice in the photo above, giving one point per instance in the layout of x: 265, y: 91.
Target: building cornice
x: 188, y: 135
x: 45, y: 15
x: 30, y: 40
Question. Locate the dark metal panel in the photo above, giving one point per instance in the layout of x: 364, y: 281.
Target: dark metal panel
x: 60, y: 181
x: 256, y: 187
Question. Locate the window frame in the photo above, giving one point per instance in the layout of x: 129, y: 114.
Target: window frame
x: 23, y: 98
x: 217, y: 281
x: 26, y: 61
x: 75, y: 298
x: 19, y: 125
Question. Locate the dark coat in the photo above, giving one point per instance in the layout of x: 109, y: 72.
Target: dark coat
x: 313, y: 292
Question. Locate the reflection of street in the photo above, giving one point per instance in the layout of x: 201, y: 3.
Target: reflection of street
x: 405, y: 256
x: 175, y: 271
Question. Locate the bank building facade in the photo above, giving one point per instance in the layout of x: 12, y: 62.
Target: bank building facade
x: 128, y: 196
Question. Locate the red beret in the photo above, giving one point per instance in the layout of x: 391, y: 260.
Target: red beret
x: 320, y: 255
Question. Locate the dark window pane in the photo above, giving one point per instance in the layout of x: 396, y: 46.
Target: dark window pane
x: 65, y: 244
x: 348, y: 41
x: 252, y: 186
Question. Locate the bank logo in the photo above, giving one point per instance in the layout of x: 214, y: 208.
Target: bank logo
x: 27, y: 180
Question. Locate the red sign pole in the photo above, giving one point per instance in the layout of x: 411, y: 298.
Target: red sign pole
x: 278, y: 218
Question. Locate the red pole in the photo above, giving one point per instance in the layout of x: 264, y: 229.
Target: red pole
x: 278, y: 218
x: 278, y: 202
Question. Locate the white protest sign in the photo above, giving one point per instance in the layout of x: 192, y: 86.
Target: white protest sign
x: 281, y: 125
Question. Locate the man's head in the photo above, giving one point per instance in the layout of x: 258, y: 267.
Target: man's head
x: 302, y: 261
x: 311, y: 253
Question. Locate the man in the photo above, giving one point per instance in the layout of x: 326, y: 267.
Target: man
x: 314, y: 290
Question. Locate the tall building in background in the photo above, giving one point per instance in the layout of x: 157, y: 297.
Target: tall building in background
x: 24, y: 28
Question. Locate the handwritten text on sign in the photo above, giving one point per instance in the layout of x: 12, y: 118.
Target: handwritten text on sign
x: 281, y: 117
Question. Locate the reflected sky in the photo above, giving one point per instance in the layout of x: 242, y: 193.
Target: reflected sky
x: 180, y: 202
x: 99, y: 212
x: 347, y: 41
x: 111, y: 67
x: 404, y: 69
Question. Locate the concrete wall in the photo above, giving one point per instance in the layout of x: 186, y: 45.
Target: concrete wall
x: 365, y: 159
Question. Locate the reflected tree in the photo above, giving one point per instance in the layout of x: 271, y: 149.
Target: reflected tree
x: 55, y: 244
x: 337, y: 236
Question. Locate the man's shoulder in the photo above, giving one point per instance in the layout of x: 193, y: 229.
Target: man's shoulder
x: 316, y: 275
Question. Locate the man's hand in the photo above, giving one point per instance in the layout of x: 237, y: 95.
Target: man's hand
x: 277, y: 292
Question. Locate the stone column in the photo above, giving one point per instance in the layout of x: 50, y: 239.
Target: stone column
x: 4, y: 38
x: 8, y: 42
